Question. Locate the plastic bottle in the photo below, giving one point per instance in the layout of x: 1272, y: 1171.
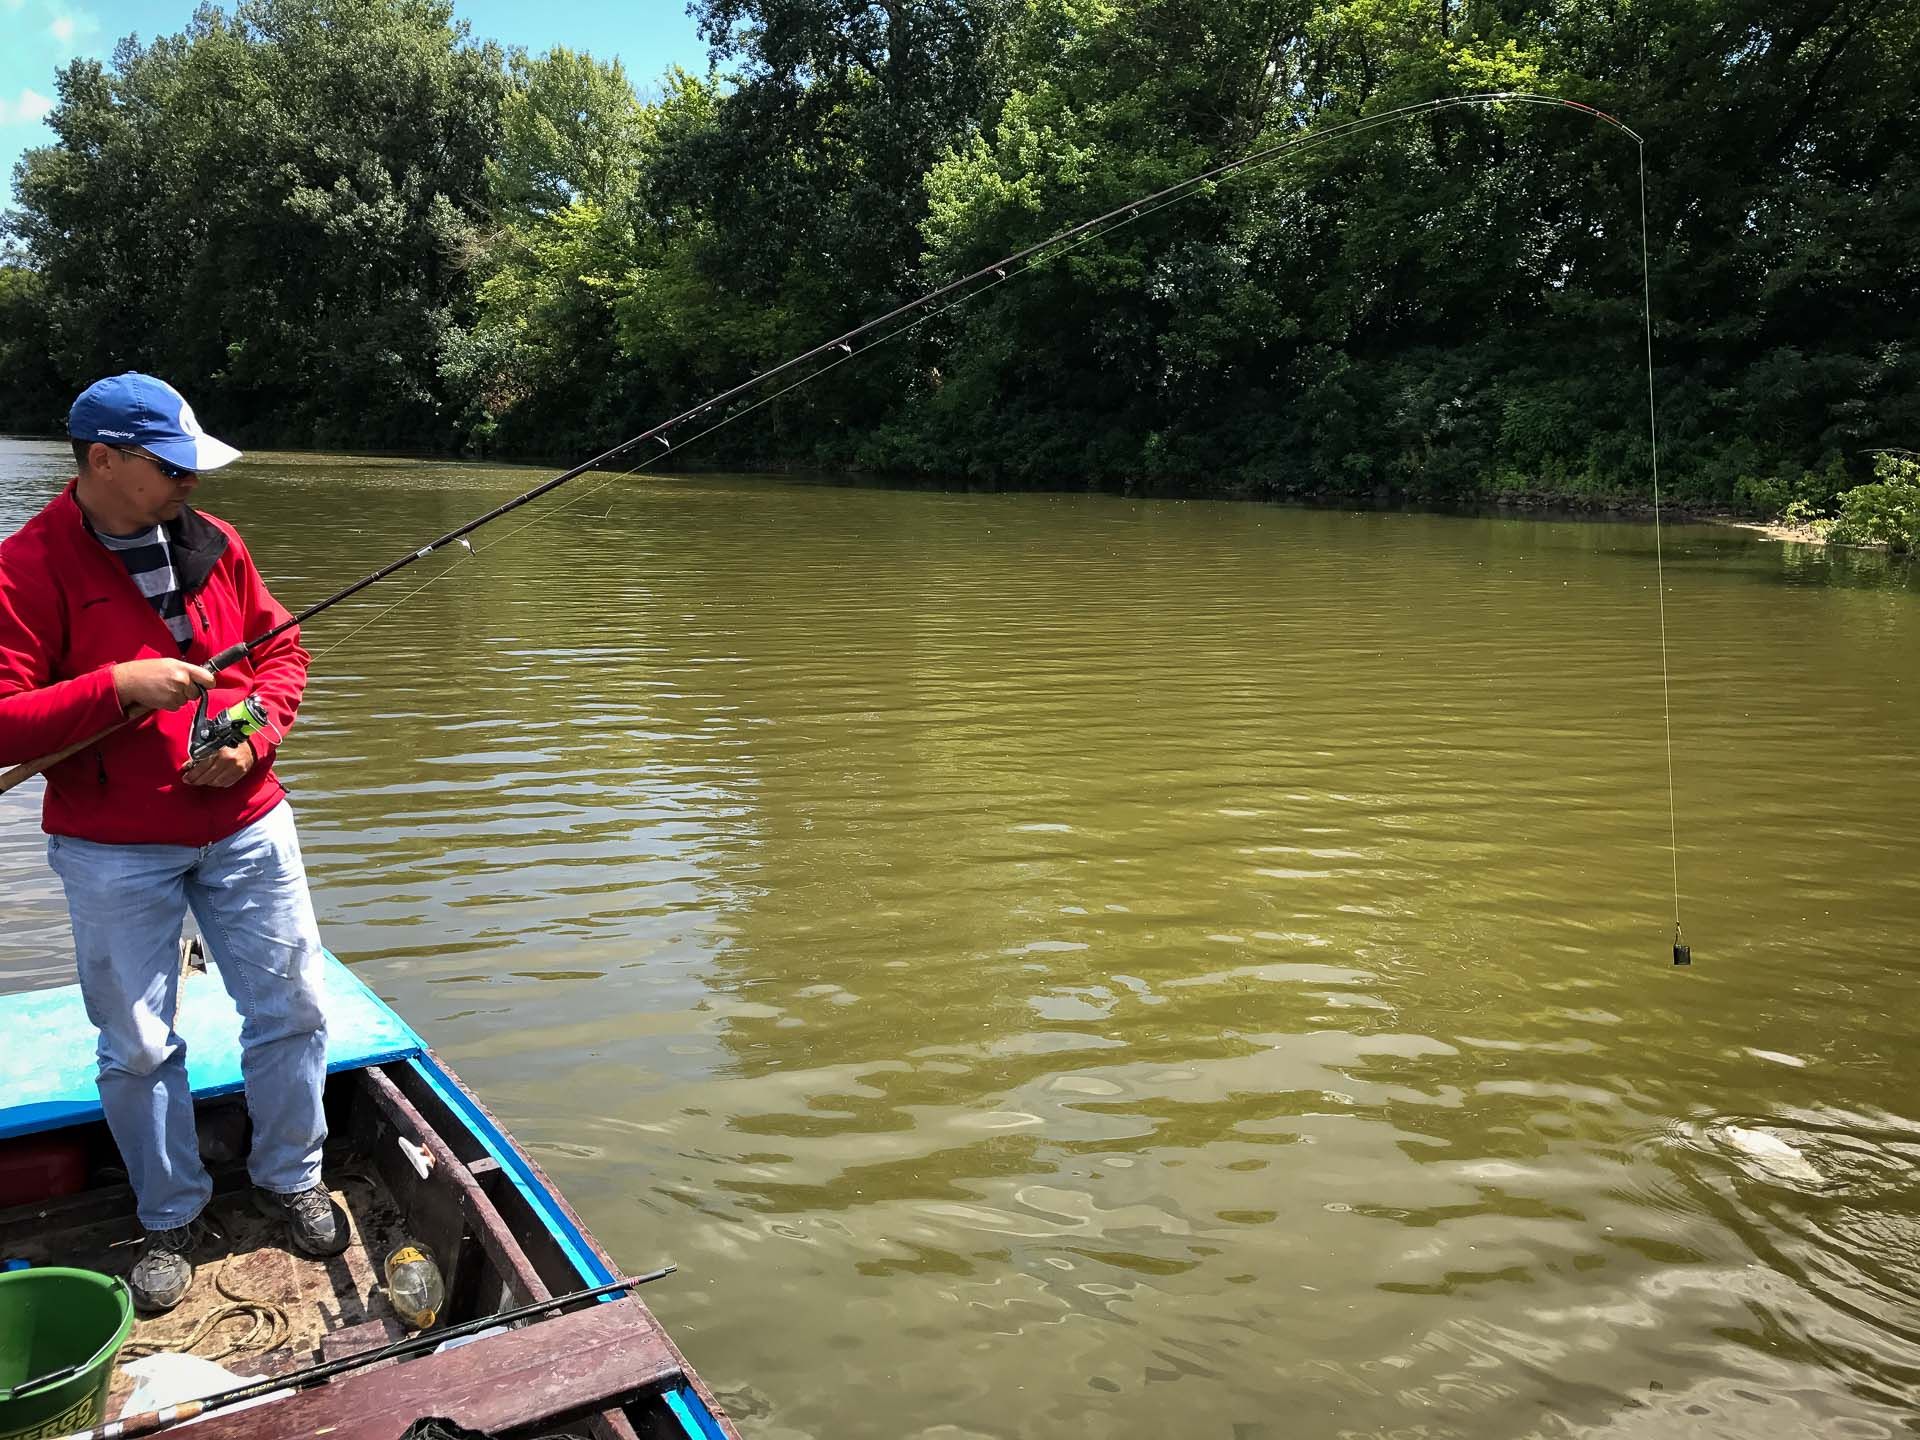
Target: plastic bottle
x: 414, y: 1287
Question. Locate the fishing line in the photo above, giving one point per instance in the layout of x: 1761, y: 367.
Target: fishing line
x: 1682, y: 952
x: 1032, y: 258
x: 1098, y: 225
x: 969, y: 287
x: 438, y: 576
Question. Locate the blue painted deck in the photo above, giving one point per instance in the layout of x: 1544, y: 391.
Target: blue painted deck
x: 47, y: 1064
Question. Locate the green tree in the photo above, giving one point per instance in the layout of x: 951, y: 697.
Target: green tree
x: 803, y: 189
x: 33, y: 397
x: 275, y: 207
x: 1441, y: 307
x: 539, y: 369
x: 348, y: 223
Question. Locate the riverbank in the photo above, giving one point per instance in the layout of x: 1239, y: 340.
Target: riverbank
x: 1535, y: 504
x: 1486, y: 505
x: 1796, y: 534
x: 1781, y: 530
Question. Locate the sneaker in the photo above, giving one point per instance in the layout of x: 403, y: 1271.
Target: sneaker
x: 164, y: 1271
x: 317, y: 1226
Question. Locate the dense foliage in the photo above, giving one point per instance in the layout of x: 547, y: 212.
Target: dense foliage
x: 1883, y: 512
x: 274, y: 209
x: 345, y: 222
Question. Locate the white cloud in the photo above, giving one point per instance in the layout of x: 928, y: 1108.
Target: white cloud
x: 72, y: 29
x: 29, y: 107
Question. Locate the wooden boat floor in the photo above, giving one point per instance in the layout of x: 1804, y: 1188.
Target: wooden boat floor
x: 333, y: 1307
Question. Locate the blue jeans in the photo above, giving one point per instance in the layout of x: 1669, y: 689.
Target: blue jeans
x: 249, y: 894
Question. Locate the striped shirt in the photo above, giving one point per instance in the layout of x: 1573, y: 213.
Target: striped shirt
x: 150, y: 562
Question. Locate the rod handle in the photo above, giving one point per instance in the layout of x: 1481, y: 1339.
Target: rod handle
x: 20, y: 774
x: 145, y: 1423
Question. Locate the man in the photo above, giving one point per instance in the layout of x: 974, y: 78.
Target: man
x: 112, y: 600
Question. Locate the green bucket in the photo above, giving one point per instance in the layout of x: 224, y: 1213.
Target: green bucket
x: 59, y: 1333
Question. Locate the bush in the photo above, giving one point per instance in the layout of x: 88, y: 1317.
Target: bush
x: 1808, y: 491
x: 1886, y: 512
x: 1802, y: 515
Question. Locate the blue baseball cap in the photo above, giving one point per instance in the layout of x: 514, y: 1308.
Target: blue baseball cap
x: 136, y: 409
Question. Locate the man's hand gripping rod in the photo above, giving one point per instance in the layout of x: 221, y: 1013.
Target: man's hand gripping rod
x: 20, y: 774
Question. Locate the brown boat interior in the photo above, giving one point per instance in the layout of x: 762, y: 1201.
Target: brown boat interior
x: 263, y: 1311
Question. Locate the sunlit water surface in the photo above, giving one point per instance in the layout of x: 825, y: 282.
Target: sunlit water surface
x: 1076, y: 967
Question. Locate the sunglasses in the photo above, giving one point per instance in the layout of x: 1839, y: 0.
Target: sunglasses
x: 172, y: 472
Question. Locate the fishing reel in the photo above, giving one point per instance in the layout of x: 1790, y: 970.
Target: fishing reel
x: 229, y: 727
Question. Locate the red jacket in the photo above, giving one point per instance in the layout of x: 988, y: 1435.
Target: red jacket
x: 69, y: 612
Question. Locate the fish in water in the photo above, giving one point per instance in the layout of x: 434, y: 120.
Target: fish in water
x: 1771, y: 1153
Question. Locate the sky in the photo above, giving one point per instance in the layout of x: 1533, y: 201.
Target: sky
x: 38, y: 36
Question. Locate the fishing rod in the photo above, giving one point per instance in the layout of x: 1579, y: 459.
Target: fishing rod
x: 966, y: 288
x: 149, y: 1421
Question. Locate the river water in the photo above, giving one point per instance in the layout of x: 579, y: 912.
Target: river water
x: 1062, y: 966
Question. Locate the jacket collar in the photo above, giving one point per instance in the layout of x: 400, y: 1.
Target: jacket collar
x: 197, y: 545
x: 196, y: 542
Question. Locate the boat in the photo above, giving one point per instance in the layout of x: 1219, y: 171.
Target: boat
x: 415, y: 1160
